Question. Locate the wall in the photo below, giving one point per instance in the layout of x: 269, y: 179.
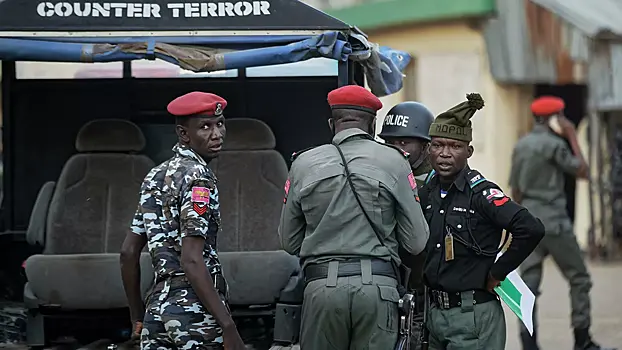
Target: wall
x: 450, y: 61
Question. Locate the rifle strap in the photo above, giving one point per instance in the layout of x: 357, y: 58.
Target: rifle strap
x: 401, y: 288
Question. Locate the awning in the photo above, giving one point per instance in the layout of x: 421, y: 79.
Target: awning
x: 596, y: 18
x: 162, y: 15
x: 383, y: 66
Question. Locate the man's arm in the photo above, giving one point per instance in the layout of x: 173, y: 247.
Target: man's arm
x: 569, y: 163
x: 292, y: 226
x: 412, y: 229
x: 517, y: 195
x: 574, y: 163
x: 195, y: 228
x: 527, y: 230
x: 130, y: 266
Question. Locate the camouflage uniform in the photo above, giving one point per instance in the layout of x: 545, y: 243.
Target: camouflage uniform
x: 174, y: 204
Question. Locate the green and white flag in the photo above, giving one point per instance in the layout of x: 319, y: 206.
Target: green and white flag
x: 518, y: 297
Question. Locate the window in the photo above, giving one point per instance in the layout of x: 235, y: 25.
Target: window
x: 163, y: 69
x: 309, y: 68
x: 160, y: 139
x: 73, y: 70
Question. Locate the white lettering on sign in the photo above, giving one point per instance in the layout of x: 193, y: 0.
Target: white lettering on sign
x: 146, y: 10
x: 396, y: 119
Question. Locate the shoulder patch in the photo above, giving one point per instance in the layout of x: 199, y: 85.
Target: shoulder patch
x: 495, y: 196
x: 405, y: 154
x: 200, y: 199
x: 286, y: 188
x: 298, y: 153
x: 475, y: 178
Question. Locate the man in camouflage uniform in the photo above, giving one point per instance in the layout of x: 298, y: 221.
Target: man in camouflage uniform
x: 348, y: 233
x: 407, y: 126
x: 178, y: 217
x: 539, y: 162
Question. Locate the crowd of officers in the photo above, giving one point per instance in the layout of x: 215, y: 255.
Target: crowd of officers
x: 358, y: 213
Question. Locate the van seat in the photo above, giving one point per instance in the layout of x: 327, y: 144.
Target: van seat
x: 83, y: 218
x: 251, y: 175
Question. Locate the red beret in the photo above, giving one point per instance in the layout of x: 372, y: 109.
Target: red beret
x: 197, y: 103
x: 354, y: 97
x: 545, y: 106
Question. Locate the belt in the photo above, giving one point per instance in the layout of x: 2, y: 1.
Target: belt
x: 445, y: 300
x: 220, y: 284
x: 349, y: 268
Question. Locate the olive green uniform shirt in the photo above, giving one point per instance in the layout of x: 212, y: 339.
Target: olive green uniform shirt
x: 539, y: 162
x: 321, y: 219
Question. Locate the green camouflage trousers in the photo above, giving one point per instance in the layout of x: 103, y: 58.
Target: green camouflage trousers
x: 470, y: 327
x: 347, y: 313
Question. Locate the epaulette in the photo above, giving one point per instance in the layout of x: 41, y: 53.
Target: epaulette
x: 405, y: 154
x: 296, y: 154
x: 430, y: 176
x: 476, y: 180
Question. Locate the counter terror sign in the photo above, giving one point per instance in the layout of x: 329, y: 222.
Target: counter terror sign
x: 40, y: 16
x: 152, y: 10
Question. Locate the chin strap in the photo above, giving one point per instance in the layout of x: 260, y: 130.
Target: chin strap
x: 422, y: 156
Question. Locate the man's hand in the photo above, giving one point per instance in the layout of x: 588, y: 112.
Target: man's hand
x: 492, y: 284
x: 232, y: 339
x: 136, y: 330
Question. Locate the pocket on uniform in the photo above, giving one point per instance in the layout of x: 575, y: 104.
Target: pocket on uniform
x: 459, y: 229
x: 388, y: 319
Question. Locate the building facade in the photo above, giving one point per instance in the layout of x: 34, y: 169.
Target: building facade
x: 457, y: 48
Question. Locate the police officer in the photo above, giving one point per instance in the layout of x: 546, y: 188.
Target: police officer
x: 178, y: 217
x: 467, y: 215
x: 407, y: 126
x: 539, y: 162
x: 348, y: 207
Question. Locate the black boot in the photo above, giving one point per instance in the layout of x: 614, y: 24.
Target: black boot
x: 583, y: 341
x: 529, y: 342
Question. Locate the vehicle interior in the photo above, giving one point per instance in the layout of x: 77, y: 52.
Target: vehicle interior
x: 76, y: 149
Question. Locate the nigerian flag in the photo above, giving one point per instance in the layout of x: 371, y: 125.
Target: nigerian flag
x: 518, y: 297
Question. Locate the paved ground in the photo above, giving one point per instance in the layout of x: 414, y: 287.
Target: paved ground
x: 554, y: 309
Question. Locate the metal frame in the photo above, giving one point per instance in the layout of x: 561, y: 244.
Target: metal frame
x: 200, y: 33
x: 8, y: 79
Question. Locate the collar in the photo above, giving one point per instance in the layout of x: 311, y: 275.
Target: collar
x: 459, y: 182
x: 187, y: 152
x: 540, y: 128
x: 343, y: 135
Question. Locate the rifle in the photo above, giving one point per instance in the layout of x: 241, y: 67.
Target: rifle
x: 425, y: 334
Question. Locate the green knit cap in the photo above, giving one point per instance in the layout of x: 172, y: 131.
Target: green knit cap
x: 456, y: 122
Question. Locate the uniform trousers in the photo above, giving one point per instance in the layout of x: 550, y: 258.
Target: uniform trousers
x: 175, y: 318
x: 350, y: 313
x: 467, y: 327
x: 565, y: 251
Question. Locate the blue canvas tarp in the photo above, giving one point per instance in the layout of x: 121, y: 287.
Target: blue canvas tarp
x: 383, y: 66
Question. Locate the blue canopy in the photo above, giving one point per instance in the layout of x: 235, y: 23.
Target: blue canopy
x: 383, y: 66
